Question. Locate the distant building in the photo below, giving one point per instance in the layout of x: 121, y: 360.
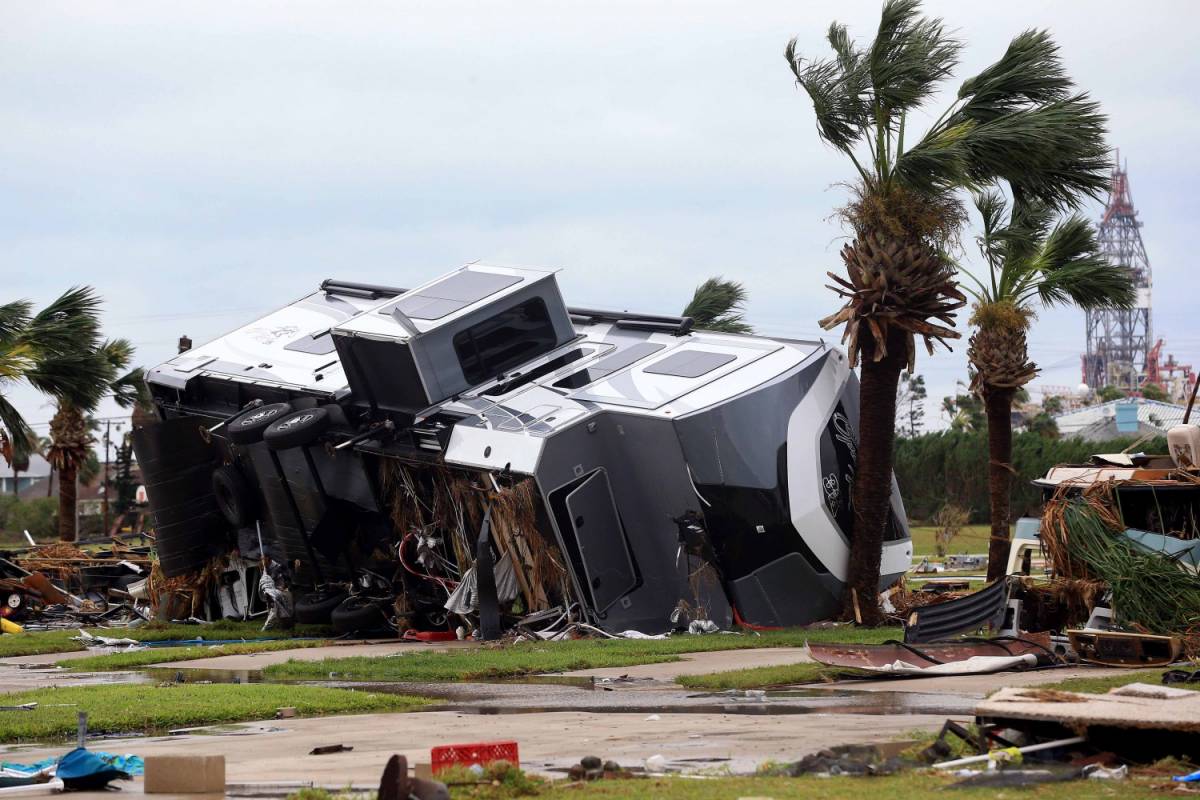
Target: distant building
x: 39, y: 471
x: 1116, y: 419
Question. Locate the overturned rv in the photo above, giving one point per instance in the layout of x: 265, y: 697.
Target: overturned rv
x: 473, y: 448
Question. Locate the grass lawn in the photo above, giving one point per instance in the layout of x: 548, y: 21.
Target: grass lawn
x: 33, y: 643
x: 147, y: 708
x: 1102, y: 685
x: 528, y: 658
x: 161, y: 655
x: 971, y: 539
x: 897, y: 787
x: 764, y: 677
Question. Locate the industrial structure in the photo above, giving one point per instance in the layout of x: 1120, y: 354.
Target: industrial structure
x: 1119, y: 341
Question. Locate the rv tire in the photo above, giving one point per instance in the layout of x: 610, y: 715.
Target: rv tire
x: 297, y: 429
x: 234, y: 496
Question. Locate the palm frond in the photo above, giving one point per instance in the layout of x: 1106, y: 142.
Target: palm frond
x: 130, y: 389
x: 1073, y: 270
x: 1089, y: 284
x: 70, y: 323
x: 842, y: 112
x: 1029, y: 73
x: 1054, y: 153
x: 716, y: 305
x: 21, y: 440
x: 909, y: 57
x: 14, y: 318
x: 939, y: 162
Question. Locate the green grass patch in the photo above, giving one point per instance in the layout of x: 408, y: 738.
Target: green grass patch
x: 32, y: 643
x: 530, y: 658
x: 146, y: 708
x: 897, y: 787
x: 36, y: 644
x: 1101, y: 685
x: 162, y: 655
x: 764, y: 677
x: 971, y: 539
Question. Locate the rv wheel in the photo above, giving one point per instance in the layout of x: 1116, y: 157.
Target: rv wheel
x: 296, y: 429
x: 248, y: 427
x: 358, y: 613
x: 234, y: 496
x: 316, y: 608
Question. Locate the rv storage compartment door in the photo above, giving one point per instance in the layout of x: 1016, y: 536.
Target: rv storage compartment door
x: 607, y: 563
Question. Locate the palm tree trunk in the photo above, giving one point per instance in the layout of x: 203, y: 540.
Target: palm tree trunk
x: 999, y: 418
x: 66, y: 503
x: 16, y: 480
x: 873, y: 476
x: 50, y: 483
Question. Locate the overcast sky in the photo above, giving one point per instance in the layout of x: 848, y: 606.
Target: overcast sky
x: 201, y: 163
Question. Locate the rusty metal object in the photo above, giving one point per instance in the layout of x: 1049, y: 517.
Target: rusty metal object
x: 1113, y: 649
x: 985, y: 608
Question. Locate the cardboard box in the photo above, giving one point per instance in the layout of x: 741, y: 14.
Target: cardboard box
x: 185, y: 775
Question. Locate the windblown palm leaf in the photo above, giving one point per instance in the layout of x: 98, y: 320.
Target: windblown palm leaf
x: 717, y: 305
x: 48, y: 350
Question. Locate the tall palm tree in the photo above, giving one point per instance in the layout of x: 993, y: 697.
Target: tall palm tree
x: 1015, y: 121
x: 1033, y: 258
x: 50, y: 351
x: 70, y: 432
x: 717, y: 306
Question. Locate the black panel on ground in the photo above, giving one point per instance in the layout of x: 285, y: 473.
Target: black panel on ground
x: 783, y: 592
x: 177, y: 467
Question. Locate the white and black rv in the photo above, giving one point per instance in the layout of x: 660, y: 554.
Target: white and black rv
x: 473, y: 448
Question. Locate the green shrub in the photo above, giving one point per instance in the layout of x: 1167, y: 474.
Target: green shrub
x: 952, y: 467
x: 7, y: 501
x: 38, y: 516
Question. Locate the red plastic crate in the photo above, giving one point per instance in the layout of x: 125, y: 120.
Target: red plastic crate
x: 481, y: 753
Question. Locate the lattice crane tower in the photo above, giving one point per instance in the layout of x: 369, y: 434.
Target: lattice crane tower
x: 1119, y: 342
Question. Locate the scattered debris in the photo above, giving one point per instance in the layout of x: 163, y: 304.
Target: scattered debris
x: 185, y: 774
x: 479, y: 753
x: 326, y: 749
x: 957, y: 658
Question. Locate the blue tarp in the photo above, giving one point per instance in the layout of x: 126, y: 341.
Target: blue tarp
x: 127, y: 763
x: 1185, y: 551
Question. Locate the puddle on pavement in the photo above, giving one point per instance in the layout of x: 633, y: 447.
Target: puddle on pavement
x: 570, y: 693
x: 201, y: 675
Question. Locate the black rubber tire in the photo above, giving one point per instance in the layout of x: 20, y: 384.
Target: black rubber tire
x: 249, y: 426
x: 234, y: 497
x: 316, y: 608
x: 296, y: 429
x: 357, y: 613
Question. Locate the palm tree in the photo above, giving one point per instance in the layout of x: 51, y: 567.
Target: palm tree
x: 1034, y: 258
x: 49, y: 351
x: 71, y: 433
x: 717, y: 306
x: 1015, y: 121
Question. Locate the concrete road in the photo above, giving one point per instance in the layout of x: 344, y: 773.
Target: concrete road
x: 278, y: 750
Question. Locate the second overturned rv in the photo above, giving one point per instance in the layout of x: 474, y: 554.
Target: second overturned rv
x: 474, y: 449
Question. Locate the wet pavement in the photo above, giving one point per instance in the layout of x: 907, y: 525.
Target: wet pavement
x: 626, y: 713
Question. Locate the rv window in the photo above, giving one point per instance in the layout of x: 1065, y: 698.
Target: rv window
x: 553, y: 365
x: 689, y: 363
x: 500, y: 343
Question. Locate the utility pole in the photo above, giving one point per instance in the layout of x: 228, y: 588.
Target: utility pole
x: 104, y: 481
